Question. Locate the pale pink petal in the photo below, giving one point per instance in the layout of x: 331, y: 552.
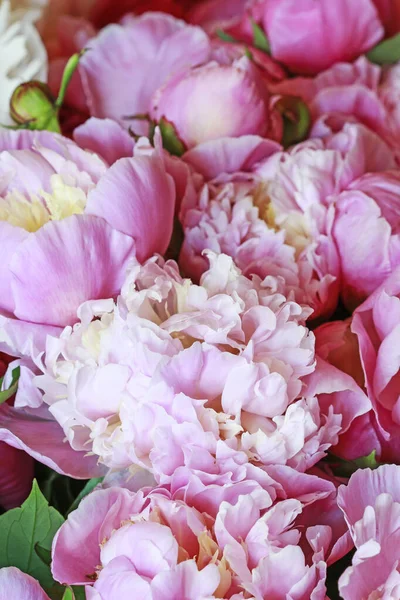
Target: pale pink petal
x: 106, y: 138
x: 229, y: 155
x: 66, y: 263
x: 19, y: 586
x: 137, y: 197
x: 10, y: 237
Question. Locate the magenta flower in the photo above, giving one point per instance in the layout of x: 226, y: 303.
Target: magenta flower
x: 371, y: 506
x: 16, y: 475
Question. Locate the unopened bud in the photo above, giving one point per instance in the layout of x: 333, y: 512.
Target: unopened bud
x: 32, y: 105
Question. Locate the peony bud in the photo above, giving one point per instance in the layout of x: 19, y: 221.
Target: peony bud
x: 32, y: 105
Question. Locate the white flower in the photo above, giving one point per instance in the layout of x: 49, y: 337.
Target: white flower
x: 22, y: 53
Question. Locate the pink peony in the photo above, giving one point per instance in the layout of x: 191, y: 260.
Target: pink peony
x: 215, y: 101
x: 367, y: 234
x: 371, y: 506
x: 62, y: 240
x: 153, y: 47
x: 363, y: 349
x: 156, y: 543
x: 178, y: 370
x: 277, y: 219
x: 298, y: 31
x: 15, y: 584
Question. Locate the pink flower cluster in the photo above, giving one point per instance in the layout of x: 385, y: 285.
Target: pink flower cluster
x: 200, y: 298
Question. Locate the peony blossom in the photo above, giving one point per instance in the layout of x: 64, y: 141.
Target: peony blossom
x: 22, y: 54
x: 153, y: 47
x: 215, y: 101
x: 62, y: 240
x: 363, y: 349
x: 370, y: 211
x: 193, y: 555
x: 174, y: 370
x: 371, y: 506
x: 15, y: 584
x: 277, y: 220
x: 298, y: 30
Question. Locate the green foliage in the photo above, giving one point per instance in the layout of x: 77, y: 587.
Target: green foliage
x: 6, y: 394
x: 387, y: 52
x: 23, y: 530
x: 260, y: 40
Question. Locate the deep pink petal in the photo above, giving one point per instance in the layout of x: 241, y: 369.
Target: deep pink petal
x: 16, y: 475
x: 66, y: 263
x: 43, y: 439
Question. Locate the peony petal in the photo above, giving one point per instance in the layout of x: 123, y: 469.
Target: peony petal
x: 16, y: 475
x: 19, y: 586
x: 10, y: 237
x: 137, y: 197
x: 106, y: 138
x: 43, y: 439
x: 66, y: 263
x: 229, y: 155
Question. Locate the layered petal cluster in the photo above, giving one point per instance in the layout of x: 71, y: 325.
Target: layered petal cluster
x: 202, y: 88
x: 364, y: 348
x: 69, y: 226
x: 278, y: 219
x: 22, y: 53
x: 161, y: 378
x: 165, y: 548
x: 371, y: 506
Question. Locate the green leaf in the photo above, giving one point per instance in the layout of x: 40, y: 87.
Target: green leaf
x: 6, y: 394
x: 260, y: 40
x: 24, y: 529
x: 346, y: 468
x: 225, y: 37
x: 74, y: 593
x: 387, y: 52
x: 296, y: 119
x: 89, y: 487
x: 44, y: 554
x: 170, y: 139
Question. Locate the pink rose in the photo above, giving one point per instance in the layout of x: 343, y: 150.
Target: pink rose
x: 371, y: 505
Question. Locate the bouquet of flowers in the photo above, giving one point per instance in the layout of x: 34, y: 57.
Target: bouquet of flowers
x: 199, y: 299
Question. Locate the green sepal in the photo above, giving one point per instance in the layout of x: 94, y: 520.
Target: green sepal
x: 260, y: 40
x: 386, y: 52
x: 6, y: 394
x: 171, y: 141
x: 296, y: 119
x: 225, y: 37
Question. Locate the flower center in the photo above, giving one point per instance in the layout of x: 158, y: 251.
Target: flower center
x: 35, y: 211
